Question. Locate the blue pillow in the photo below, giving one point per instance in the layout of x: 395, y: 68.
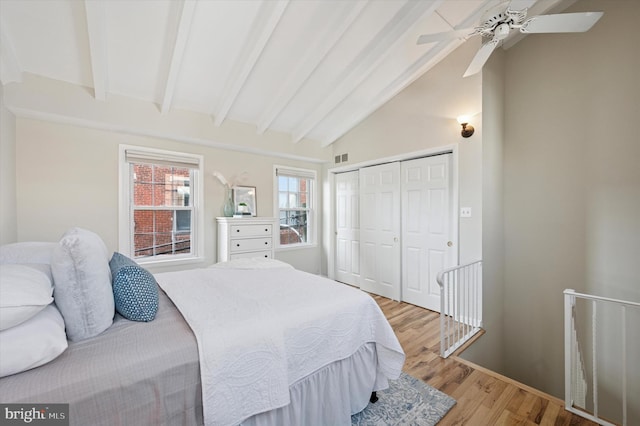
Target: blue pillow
x: 135, y: 290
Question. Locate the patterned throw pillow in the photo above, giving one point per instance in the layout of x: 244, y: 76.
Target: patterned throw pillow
x: 135, y: 291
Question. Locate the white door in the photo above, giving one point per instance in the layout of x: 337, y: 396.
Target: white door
x: 380, y: 230
x: 347, y: 269
x: 427, y: 232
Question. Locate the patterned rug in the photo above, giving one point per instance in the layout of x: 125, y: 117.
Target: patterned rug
x: 407, y: 401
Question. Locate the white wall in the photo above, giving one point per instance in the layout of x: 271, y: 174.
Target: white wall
x: 68, y: 176
x: 8, y: 223
x: 423, y: 117
x: 571, y: 185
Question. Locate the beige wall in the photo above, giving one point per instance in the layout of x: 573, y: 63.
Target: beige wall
x: 8, y: 222
x: 571, y: 185
x: 423, y: 117
x: 57, y: 101
x: 68, y: 176
x: 489, y: 350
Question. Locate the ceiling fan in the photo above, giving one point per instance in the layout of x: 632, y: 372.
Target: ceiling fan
x: 497, y: 22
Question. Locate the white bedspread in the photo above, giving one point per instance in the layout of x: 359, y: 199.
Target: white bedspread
x: 259, y: 331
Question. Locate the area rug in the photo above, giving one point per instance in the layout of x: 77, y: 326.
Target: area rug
x: 407, y: 401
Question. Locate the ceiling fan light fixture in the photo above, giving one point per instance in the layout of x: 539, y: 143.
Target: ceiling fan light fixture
x: 501, y: 31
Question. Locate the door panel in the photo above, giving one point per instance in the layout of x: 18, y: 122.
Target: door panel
x: 427, y: 228
x: 380, y: 229
x: 347, y: 228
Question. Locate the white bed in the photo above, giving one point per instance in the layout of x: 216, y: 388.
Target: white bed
x: 299, y: 347
x: 249, y: 341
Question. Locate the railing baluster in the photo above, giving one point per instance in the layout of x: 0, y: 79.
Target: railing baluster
x: 573, y: 356
x: 460, y: 305
x: 595, y: 358
x: 624, y: 365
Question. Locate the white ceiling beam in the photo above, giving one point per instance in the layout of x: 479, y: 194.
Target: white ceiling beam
x: 262, y: 28
x: 407, y: 76
x: 325, y: 40
x: 419, y: 67
x: 97, y: 31
x: 10, y: 69
x: 366, y: 61
x: 179, y: 47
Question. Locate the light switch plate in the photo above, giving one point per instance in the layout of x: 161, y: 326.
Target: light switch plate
x: 465, y: 211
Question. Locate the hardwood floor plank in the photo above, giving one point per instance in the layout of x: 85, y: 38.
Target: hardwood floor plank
x: 484, y: 398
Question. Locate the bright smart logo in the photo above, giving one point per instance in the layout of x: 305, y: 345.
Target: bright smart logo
x: 36, y: 414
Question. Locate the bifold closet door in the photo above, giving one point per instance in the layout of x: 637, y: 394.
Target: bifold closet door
x: 380, y: 230
x: 347, y: 269
x: 427, y: 232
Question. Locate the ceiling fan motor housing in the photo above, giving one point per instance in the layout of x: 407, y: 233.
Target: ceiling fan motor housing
x: 501, y: 32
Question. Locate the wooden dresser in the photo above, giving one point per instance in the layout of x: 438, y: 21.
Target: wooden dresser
x: 246, y: 237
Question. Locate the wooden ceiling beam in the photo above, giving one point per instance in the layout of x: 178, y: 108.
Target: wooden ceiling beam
x: 366, y: 62
x: 10, y: 69
x: 97, y: 32
x: 324, y: 42
x: 263, y: 27
x: 179, y: 46
x: 419, y: 67
x: 425, y: 62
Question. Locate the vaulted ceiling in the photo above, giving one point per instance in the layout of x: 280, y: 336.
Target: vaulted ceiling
x: 309, y: 68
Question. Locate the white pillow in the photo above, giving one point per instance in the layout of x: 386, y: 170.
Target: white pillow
x: 32, y: 343
x: 24, y: 291
x: 82, y: 283
x: 252, y: 263
x: 27, y: 252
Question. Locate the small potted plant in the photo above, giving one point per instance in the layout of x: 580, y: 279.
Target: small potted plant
x: 243, y: 208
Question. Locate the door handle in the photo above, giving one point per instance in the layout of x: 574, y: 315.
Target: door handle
x: 450, y: 243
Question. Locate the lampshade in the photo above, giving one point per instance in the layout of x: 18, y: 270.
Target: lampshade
x: 463, y: 119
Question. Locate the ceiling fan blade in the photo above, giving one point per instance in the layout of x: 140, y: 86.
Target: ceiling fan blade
x: 561, y: 23
x: 520, y: 4
x: 447, y: 35
x: 481, y: 57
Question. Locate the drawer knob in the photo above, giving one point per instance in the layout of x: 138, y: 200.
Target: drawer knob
x: 266, y: 242
x: 237, y: 245
x: 266, y: 255
x: 237, y: 230
x: 266, y: 229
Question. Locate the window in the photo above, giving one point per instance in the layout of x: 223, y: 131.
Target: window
x: 160, y: 210
x: 295, y: 206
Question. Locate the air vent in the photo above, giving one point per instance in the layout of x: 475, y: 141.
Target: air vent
x: 337, y: 159
x: 345, y: 157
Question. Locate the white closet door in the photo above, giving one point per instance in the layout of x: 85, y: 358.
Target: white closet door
x: 347, y: 269
x: 380, y: 230
x: 427, y: 233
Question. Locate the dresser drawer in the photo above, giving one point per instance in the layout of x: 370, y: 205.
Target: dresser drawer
x: 245, y: 237
x: 244, y: 244
x: 262, y: 254
x: 251, y: 230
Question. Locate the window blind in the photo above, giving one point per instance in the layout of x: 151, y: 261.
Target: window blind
x: 308, y: 174
x: 175, y: 160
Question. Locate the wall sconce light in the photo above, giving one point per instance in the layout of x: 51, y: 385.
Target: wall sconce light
x: 467, y: 129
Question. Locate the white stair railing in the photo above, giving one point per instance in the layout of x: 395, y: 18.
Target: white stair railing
x: 460, y: 305
x: 575, y: 381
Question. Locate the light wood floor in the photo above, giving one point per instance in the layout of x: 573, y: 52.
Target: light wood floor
x: 483, y: 397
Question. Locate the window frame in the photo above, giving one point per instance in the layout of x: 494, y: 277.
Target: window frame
x: 126, y: 208
x: 311, y: 209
